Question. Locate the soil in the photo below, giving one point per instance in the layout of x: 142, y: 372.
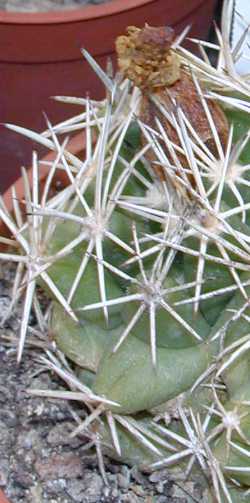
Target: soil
x: 45, y: 5
x: 39, y: 462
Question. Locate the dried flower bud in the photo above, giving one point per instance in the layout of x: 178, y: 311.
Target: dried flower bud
x: 146, y: 58
x: 183, y: 94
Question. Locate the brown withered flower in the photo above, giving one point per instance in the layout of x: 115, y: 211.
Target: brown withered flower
x: 147, y: 58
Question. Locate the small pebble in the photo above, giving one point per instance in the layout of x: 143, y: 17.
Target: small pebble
x: 123, y: 482
x: 88, y: 489
x: 4, y: 472
x: 159, y: 476
x: 59, y: 465
x: 3, y: 432
x: 160, y: 487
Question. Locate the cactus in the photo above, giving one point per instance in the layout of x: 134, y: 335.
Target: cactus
x: 145, y: 259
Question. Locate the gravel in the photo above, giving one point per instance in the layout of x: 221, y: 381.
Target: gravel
x: 45, y: 5
x: 39, y: 461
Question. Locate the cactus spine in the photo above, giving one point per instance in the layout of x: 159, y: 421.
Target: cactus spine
x: 145, y: 257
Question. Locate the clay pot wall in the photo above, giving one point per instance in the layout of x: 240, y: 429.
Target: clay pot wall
x: 40, y: 57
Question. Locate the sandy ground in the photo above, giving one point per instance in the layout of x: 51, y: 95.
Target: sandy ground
x: 44, y: 5
x: 39, y: 462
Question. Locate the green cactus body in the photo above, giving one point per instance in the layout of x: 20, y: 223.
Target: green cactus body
x: 176, y: 371
x: 237, y: 375
x: 91, y: 347
x: 170, y: 333
x: 83, y: 343
x: 62, y: 273
x: 215, y: 276
x: 235, y: 464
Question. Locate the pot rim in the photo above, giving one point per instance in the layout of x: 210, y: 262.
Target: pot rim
x: 57, y: 36
x: 108, y: 8
x: 75, y: 145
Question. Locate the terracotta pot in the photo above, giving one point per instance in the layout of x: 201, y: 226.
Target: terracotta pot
x: 40, y: 57
x: 76, y: 146
x: 3, y: 498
